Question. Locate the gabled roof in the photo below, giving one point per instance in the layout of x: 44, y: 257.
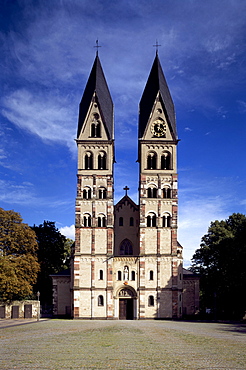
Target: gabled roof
x: 97, y: 84
x: 156, y: 84
x: 128, y: 201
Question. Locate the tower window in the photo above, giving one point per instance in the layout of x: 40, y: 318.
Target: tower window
x: 96, y: 129
x: 121, y: 221
x: 151, y: 220
x: 87, y: 220
x: 131, y: 221
x: 101, y: 221
x: 100, y: 274
x: 152, y: 193
x: 102, y: 193
x: 166, y: 161
x: 119, y: 275
x: 166, y: 220
x: 100, y: 300
x: 88, y: 161
x: 167, y: 193
x: 151, y: 300
x: 151, y: 275
x: 87, y: 193
x: 101, y: 159
x: 151, y: 161
x: 126, y: 248
x: 133, y: 275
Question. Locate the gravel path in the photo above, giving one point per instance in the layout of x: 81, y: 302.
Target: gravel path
x: 79, y: 344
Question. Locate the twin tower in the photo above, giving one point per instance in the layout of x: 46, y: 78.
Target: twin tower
x: 127, y: 263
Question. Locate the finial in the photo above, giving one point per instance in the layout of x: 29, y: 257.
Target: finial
x: 126, y: 188
x: 156, y: 46
x: 97, y: 46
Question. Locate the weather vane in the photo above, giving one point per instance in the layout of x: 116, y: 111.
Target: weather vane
x: 97, y: 46
x: 156, y: 46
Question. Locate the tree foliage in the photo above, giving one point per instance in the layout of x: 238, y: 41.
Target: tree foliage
x: 53, y: 256
x: 18, y: 260
x: 220, y: 261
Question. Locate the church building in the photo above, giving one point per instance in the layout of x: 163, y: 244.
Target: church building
x: 127, y: 263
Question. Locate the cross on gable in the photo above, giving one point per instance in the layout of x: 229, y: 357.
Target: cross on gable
x: 126, y: 188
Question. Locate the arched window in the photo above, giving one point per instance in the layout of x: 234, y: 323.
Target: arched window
x: 87, y: 193
x: 121, y: 221
x: 151, y: 161
x: 166, y: 191
x: 96, y: 129
x: 166, y: 220
x: 87, y: 220
x: 133, y: 275
x: 152, y: 192
x: 100, y: 300
x: 126, y: 248
x: 151, y: 220
x: 119, y: 275
x: 102, y: 193
x: 101, y: 221
x: 166, y: 161
x: 93, y: 130
x: 100, y: 274
x: 151, y: 275
x: 131, y: 221
x: 88, y: 161
x: 151, y: 300
x: 101, y: 159
x: 96, y: 126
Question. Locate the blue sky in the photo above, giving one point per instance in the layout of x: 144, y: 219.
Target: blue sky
x: 47, y: 51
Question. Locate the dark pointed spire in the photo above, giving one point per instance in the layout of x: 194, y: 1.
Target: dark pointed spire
x: 97, y: 84
x: 156, y: 84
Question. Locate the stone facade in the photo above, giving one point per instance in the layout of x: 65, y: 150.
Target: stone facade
x: 127, y: 263
x: 61, y: 284
x: 191, y: 290
x: 28, y: 309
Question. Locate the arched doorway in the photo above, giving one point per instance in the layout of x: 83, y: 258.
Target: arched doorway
x: 126, y: 304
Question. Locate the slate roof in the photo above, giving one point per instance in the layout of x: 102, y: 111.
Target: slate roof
x: 97, y: 84
x: 156, y: 83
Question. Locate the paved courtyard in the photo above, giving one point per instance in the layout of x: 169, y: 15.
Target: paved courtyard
x: 77, y: 344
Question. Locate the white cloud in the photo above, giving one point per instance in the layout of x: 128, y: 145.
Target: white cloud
x: 195, y: 216
x: 49, y: 117
x: 23, y: 193
x: 68, y: 231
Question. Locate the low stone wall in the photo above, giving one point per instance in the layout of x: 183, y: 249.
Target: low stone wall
x: 28, y: 309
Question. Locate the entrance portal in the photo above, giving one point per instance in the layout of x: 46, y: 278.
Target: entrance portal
x: 126, y: 309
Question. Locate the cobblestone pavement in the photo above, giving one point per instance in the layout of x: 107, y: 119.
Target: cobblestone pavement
x: 149, y: 344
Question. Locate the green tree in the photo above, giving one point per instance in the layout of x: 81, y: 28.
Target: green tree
x: 220, y: 261
x: 18, y: 260
x: 53, y: 256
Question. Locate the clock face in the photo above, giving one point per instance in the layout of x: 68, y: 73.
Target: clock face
x: 158, y: 128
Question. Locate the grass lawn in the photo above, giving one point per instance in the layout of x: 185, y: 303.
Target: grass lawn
x: 78, y: 344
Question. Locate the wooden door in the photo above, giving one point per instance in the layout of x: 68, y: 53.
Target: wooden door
x: 15, y: 312
x: 126, y: 309
x: 28, y: 311
x: 122, y: 309
x: 2, y: 312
